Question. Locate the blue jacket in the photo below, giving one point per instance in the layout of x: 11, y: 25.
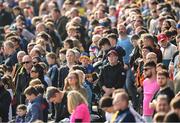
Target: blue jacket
x: 20, y: 119
x: 53, y: 74
x: 34, y: 111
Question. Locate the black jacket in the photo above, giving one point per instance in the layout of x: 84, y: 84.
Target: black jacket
x: 60, y: 25
x: 166, y: 91
x: 23, y: 79
x: 61, y: 109
x: 125, y: 116
x: 5, y: 100
x: 112, y: 76
x: 63, y: 72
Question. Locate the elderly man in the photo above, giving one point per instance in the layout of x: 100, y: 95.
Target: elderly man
x: 23, y: 79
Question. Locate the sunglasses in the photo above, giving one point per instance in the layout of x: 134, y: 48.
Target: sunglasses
x: 34, y: 62
x: 146, y: 69
x: 26, y: 62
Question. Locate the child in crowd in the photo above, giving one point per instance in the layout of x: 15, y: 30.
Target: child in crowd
x: 21, y: 113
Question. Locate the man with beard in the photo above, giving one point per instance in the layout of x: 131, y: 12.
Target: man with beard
x: 124, y: 42
x: 150, y: 87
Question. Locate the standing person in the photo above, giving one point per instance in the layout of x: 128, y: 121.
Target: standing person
x: 112, y: 75
x: 5, y: 98
x: 34, y: 111
x: 167, y: 48
x: 5, y: 17
x: 125, y: 43
x: 59, y: 99
x: 78, y: 107
x: 64, y: 70
x: 53, y: 68
x: 18, y: 65
x: 11, y: 53
x: 162, y: 80
x: 150, y: 87
x: 60, y: 22
x: 23, y: 79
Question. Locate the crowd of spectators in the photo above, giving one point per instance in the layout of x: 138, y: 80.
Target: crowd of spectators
x: 89, y: 61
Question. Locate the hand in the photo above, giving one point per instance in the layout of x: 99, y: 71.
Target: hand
x: 126, y: 66
x: 171, y: 68
x: 139, y: 89
x: 108, y: 91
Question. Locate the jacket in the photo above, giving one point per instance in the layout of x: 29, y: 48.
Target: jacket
x: 112, y: 76
x: 5, y: 100
x: 34, y: 111
x: 22, y: 83
x: 53, y: 74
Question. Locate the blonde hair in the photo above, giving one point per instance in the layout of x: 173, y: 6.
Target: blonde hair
x: 35, y: 82
x: 81, y: 76
x: 74, y: 98
x: 78, y: 85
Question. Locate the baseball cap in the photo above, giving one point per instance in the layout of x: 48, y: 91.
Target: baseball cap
x: 162, y: 37
x: 112, y: 51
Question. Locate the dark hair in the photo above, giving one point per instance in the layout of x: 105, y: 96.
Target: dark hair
x: 105, y: 102
x: 22, y: 107
x: 78, y: 67
x: 70, y: 42
x: 112, y: 35
x: 171, y: 117
x: 39, y: 69
x: 30, y: 90
x: 51, y: 91
x: 135, y: 37
x: 104, y: 41
x: 159, y: 117
x: 148, y: 48
x: 163, y: 73
x: 56, y: 10
x: 150, y: 64
x: 39, y: 88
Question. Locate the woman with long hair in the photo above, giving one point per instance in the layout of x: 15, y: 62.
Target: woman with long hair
x: 78, y: 107
x: 72, y: 82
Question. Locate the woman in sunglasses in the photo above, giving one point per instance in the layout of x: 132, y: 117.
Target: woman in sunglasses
x: 38, y: 72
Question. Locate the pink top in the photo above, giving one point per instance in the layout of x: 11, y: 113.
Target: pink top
x: 150, y: 88
x: 81, y: 112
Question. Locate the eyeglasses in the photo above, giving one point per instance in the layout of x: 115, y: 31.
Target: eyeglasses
x: 34, y: 62
x: 26, y: 62
x: 146, y: 69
